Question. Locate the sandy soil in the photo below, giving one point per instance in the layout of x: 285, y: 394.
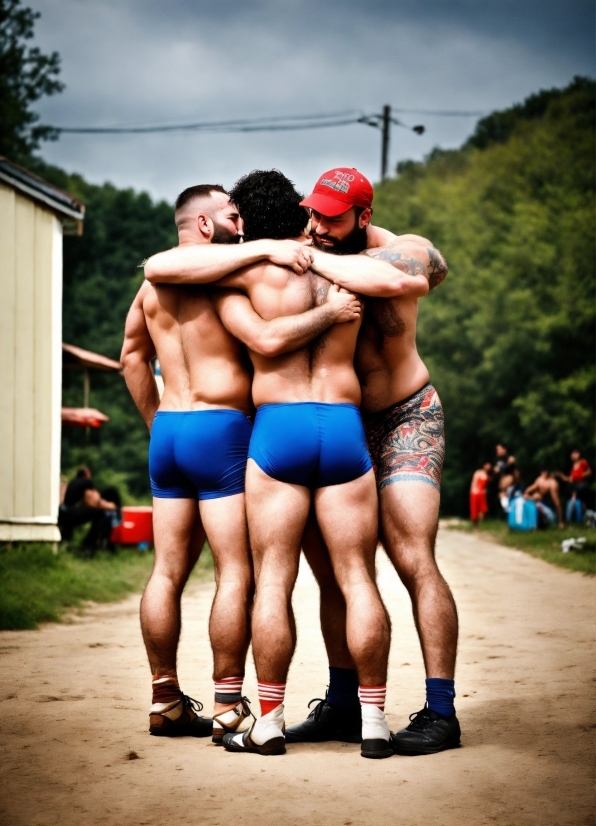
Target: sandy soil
x: 74, y: 702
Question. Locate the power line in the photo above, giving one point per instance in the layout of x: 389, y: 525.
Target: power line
x: 263, y: 124
x: 443, y: 113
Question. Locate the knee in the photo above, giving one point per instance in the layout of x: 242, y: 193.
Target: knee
x: 416, y: 566
x: 236, y: 581
x: 169, y: 578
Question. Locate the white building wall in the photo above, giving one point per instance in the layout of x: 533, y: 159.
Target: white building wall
x: 30, y: 368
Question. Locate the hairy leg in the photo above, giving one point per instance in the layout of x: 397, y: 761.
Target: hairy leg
x: 224, y: 520
x: 178, y: 537
x: 277, y: 513
x: 409, y: 520
x: 348, y: 517
x: 332, y: 606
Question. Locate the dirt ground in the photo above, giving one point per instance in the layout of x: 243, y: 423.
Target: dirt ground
x: 74, y: 703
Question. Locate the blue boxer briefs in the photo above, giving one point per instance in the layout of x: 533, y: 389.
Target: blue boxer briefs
x: 313, y: 444
x: 198, y: 454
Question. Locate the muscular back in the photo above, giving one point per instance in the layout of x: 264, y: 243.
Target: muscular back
x: 202, y: 365
x: 323, y: 370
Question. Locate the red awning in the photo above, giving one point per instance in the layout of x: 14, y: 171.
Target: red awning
x: 76, y: 356
x: 83, y: 417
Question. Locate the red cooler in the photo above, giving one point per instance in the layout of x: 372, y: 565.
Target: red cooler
x: 136, y: 527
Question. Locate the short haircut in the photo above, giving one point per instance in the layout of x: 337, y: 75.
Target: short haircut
x: 82, y: 472
x: 198, y: 191
x: 269, y: 205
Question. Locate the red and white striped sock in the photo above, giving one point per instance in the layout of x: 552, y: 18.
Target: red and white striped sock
x: 373, y: 695
x: 271, y: 695
x: 228, y: 690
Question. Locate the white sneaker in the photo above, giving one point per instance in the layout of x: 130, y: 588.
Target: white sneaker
x: 375, y: 733
x: 265, y: 737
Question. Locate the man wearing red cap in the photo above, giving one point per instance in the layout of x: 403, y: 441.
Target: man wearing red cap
x: 405, y: 431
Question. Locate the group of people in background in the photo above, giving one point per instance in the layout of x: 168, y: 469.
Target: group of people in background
x: 496, y: 484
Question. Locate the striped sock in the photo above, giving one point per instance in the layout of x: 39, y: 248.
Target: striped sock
x: 165, y: 690
x: 373, y: 695
x: 228, y: 690
x: 271, y: 695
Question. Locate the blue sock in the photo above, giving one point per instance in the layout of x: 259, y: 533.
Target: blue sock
x: 440, y: 695
x: 343, y: 687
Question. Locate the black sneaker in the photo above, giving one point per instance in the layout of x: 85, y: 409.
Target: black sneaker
x: 428, y: 733
x: 327, y: 722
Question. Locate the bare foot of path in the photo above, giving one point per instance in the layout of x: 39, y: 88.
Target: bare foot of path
x: 74, y: 700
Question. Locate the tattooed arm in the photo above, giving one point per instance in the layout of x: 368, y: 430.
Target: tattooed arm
x: 399, y: 269
x: 414, y: 259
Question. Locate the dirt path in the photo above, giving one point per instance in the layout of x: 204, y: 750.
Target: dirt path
x: 74, y: 700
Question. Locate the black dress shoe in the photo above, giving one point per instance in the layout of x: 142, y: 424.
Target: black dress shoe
x: 327, y: 722
x: 428, y: 733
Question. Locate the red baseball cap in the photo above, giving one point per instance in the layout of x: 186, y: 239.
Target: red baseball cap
x: 338, y: 190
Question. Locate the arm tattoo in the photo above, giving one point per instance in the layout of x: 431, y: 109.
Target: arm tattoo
x: 437, y: 268
x: 435, y: 271
x: 411, y: 266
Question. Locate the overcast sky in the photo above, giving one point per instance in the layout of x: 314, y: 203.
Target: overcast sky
x: 140, y: 62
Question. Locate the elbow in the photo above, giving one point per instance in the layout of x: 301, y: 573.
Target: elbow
x: 268, y: 346
x: 395, y: 287
x: 131, y: 361
x: 150, y: 272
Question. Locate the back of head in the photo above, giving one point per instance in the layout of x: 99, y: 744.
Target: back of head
x: 83, y: 473
x: 192, y: 193
x: 269, y: 206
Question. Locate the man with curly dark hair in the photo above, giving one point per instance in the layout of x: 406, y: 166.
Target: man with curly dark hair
x: 307, y: 447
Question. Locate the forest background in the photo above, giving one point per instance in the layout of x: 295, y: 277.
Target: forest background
x: 508, y: 338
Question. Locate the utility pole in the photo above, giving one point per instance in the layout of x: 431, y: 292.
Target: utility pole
x: 383, y: 122
x: 386, y: 127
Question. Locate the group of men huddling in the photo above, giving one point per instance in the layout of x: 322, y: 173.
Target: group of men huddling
x: 345, y: 449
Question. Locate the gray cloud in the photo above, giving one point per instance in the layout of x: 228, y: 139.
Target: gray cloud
x: 145, y: 61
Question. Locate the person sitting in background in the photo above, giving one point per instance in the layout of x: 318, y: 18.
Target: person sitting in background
x: 579, y: 480
x: 545, y: 492
x: 505, y: 475
x: 83, y: 503
x: 478, y: 501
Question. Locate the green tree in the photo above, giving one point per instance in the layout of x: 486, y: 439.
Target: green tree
x: 25, y: 76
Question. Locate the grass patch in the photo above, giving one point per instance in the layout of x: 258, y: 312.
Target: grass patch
x: 40, y: 586
x: 544, y: 544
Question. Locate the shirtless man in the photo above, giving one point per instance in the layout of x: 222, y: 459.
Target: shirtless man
x: 545, y: 492
x: 200, y: 433
x: 403, y: 418
x: 308, y: 445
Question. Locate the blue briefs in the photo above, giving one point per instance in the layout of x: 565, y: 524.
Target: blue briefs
x: 198, y: 454
x: 310, y: 443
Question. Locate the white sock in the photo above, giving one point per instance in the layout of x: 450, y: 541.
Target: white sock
x: 374, y: 724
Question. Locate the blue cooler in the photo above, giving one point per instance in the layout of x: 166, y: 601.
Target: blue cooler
x: 523, y: 514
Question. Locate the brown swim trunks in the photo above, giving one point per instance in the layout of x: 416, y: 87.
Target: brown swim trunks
x: 407, y: 440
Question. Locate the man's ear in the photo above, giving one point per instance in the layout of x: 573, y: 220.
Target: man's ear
x: 205, y: 225
x: 364, y: 218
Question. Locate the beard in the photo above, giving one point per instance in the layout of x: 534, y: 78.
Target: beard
x: 354, y: 242
x: 222, y: 235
